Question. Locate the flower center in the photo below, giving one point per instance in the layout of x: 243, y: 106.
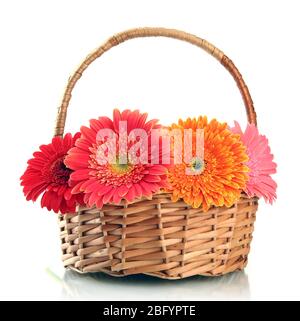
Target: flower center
x: 120, y: 168
x: 197, y: 165
x: 58, y: 172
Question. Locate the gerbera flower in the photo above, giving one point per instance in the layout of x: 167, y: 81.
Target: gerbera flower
x: 220, y: 176
x: 260, y: 163
x: 47, y: 174
x: 105, y: 183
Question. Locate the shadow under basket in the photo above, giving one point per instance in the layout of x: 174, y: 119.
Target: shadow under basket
x: 158, y: 237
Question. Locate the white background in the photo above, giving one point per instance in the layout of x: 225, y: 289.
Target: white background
x: 41, y: 42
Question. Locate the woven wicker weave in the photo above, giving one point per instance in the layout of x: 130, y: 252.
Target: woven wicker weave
x: 157, y: 237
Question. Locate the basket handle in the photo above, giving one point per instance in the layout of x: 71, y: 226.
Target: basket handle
x: 152, y: 32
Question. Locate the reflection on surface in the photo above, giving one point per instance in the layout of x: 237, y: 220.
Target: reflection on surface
x: 142, y: 287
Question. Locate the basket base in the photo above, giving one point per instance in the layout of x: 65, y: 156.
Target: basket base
x: 159, y: 238
x: 161, y: 275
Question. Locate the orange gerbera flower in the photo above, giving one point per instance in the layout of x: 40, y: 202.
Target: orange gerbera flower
x: 219, y: 177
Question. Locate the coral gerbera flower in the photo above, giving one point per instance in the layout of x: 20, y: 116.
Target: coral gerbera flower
x: 260, y: 163
x: 220, y: 176
x: 47, y: 174
x: 110, y: 182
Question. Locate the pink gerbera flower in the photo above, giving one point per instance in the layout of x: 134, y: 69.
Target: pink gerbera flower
x: 105, y: 183
x: 48, y: 175
x: 260, y: 163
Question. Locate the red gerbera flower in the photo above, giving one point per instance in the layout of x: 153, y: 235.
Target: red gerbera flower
x: 47, y: 174
x: 112, y: 182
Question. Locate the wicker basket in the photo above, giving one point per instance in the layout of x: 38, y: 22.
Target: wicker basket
x: 157, y: 237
